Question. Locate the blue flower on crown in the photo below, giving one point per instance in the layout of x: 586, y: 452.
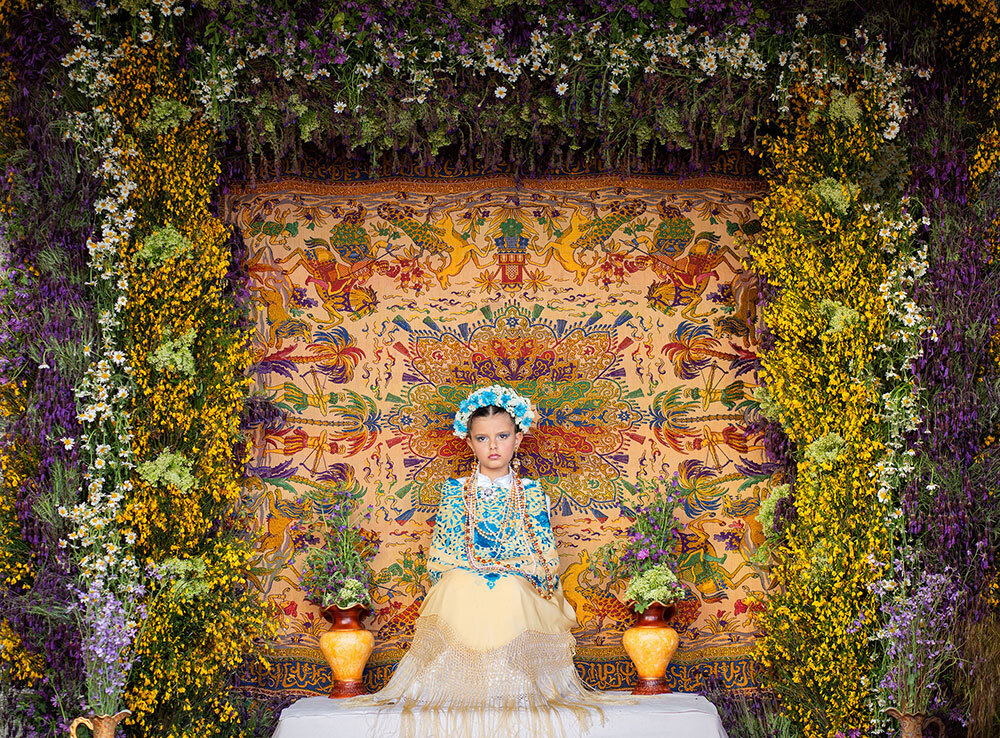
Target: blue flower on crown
x: 519, y: 407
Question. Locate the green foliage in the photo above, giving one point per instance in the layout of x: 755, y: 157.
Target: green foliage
x: 838, y: 196
x: 45, y: 199
x: 308, y: 119
x: 174, y: 354
x: 407, y: 97
x: 163, y: 244
x: 13, y: 704
x: 760, y: 718
x: 169, y: 468
x: 658, y: 584
x: 979, y: 676
x: 825, y: 450
x: 184, y: 580
x: 258, y: 715
x: 766, y: 404
x: 765, y: 514
x: 844, y: 108
x: 838, y: 317
x: 164, y: 114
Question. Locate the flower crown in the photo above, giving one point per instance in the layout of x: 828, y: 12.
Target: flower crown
x: 519, y: 407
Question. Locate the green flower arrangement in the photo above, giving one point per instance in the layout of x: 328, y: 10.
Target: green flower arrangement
x: 163, y: 244
x: 768, y: 505
x: 825, y: 450
x: 184, y: 579
x: 338, y: 571
x: 347, y: 593
x: 165, y: 114
x: 169, y: 468
x: 658, y: 584
x: 767, y: 550
x: 174, y: 354
x: 838, y: 317
x: 836, y: 195
x: 767, y: 405
x: 645, y: 554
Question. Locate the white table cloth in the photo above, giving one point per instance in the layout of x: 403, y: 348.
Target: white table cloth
x: 680, y: 715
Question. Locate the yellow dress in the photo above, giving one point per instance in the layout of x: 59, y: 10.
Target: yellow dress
x: 491, y: 655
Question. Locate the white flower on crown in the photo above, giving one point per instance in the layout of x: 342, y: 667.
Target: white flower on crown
x: 519, y: 407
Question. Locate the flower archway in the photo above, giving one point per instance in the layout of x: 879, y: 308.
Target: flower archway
x: 126, y: 344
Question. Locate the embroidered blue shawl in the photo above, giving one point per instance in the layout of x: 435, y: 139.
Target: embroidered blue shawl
x: 507, y: 545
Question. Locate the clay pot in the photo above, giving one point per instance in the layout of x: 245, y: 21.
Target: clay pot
x: 912, y: 725
x: 346, y: 647
x: 102, y: 726
x: 650, y: 644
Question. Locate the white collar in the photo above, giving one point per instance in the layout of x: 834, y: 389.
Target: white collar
x: 484, y: 482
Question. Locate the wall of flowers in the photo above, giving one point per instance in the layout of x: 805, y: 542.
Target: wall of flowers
x: 124, y: 348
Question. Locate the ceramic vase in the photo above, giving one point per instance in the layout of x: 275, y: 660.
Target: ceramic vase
x: 651, y: 643
x: 346, y: 647
x: 912, y: 725
x: 101, y: 726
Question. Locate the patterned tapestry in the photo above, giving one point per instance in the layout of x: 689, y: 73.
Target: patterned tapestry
x: 621, y: 307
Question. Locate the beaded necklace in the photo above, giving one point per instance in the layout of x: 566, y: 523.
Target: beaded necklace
x: 515, y: 509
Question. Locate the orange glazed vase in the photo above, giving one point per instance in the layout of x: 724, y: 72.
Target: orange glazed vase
x: 346, y: 647
x: 101, y: 726
x: 912, y: 725
x: 651, y: 643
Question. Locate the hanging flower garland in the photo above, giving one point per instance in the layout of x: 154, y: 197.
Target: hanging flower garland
x: 161, y: 264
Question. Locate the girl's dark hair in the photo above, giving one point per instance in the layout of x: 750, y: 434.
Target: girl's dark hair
x: 487, y: 411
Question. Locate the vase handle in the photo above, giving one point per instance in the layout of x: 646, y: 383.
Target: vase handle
x: 934, y: 720
x: 77, y: 723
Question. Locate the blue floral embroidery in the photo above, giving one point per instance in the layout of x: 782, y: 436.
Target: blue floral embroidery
x: 509, y: 547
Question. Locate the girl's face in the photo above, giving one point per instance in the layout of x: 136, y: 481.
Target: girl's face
x: 494, y: 439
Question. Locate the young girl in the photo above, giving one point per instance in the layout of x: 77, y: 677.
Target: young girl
x: 492, y: 652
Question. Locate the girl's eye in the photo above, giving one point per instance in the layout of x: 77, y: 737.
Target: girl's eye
x: 504, y: 435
